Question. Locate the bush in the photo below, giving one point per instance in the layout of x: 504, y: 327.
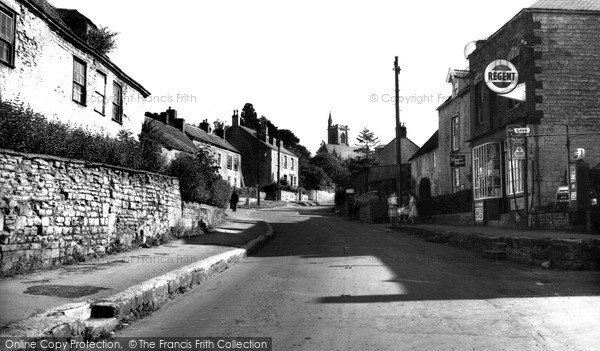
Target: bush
x: 23, y: 130
x: 220, y: 193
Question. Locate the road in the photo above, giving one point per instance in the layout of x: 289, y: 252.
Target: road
x: 326, y: 283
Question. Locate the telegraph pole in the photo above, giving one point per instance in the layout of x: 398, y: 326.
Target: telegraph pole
x: 258, y: 165
x: 398, y: 142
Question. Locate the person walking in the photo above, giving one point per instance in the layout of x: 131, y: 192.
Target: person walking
x: 412, y: 208
x: 233, y: 201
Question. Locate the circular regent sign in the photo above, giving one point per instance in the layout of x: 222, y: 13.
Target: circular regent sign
x: 501, y: 76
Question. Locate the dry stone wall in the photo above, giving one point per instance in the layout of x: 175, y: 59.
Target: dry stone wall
x: 55, y: 210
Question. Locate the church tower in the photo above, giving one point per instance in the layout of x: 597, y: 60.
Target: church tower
x: 337, y: 134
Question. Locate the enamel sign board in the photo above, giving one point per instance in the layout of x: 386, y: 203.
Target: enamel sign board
x: 501, y: 76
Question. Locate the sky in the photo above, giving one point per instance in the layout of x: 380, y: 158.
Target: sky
x: 298, y: 61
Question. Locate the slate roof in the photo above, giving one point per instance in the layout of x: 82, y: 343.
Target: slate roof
x: 170, y: 137
x: 342, y: 150
x: 429, y: 146
x: 574, y: 5
x: 199, y: 134
x: 51, y: 16
x: 273, y: 147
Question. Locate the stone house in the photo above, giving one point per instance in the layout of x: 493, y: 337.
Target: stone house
x: 424, y: 164
x: 46, y: 64
x: 228, y: 158
x: 272, y: 156
x: 454, y: 151
x: 167, y: 129
x: 386, y: 155
x: 554, y: 47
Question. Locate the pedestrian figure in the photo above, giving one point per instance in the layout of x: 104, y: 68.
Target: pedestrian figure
x: 412, y: 208
x: 393, y: 209
x: 350, y: 206
x: 233, y: 201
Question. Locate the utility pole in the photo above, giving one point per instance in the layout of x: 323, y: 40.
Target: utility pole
x: 258, y: 165
x: 568, y: 159
x: 398, y: 142
x: 278, y: 168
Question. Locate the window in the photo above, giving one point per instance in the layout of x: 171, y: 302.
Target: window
x: 7, y: 36
x: 292, y: 164
x: 117, y: 115
x: 486, y: 171
x: 343, y: 138
x: 219, y: 160
x: 434, y: 160
x: 236, y: 163
x: 284, y: 161
x: 229, y: 161
x: 79, y: 80
x: 454, y: 133
x: 455, y: 179
x: 479, y: 103
x: 100, y: 93
x: 514, y: 174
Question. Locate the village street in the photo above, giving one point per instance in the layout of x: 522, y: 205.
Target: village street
x: 327, y: 283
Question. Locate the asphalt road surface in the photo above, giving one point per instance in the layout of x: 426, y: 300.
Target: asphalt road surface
x: 327, y: 283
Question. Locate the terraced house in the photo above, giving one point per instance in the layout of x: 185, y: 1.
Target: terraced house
x: 47, y: 64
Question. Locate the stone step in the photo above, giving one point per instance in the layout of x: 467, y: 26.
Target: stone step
x: 495, y: 254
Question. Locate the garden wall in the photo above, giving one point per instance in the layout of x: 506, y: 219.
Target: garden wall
x: 55, y: 210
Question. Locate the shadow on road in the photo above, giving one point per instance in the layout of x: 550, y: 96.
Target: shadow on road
x: 421, y: 270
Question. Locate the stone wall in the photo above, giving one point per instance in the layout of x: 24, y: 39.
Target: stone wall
x: 321, y: 196
x: 288, y: 196
x: 568, y: 78
x: 195, y: 215
x: 54, y: 210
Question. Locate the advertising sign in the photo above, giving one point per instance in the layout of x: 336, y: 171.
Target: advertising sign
x: 501, y: 76
x: 479, y: 216
x: 457, y: 161
x: 515, y: 135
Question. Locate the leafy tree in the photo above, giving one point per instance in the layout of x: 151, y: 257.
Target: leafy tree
x: 314, y: 177
x: 333, y: 167
x: 196, y: 175
x: 249, y: 117
x: 102, y: 39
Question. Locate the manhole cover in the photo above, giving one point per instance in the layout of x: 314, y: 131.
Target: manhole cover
x: 68, y: 291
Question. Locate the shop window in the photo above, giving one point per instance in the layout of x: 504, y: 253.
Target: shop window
x: 487, y: 180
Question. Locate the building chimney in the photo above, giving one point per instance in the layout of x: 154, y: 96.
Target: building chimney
x: 235, y: 119
x: 179, y: 123
x: 264, y: 130
x: 204, y: 125
x: 274, y: 141
x: 171, y: 114
x: 220, y: 133
x: 402, y: 132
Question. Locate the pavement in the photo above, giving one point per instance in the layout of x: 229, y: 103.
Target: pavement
x: 93, y: 295
x: 551, y: 249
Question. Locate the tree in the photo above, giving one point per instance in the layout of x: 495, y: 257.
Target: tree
x: 313, y: 177
x: 367, y: 143
x: 102, y: 39
x: 249, y: 117
x: 366, y: 150
x: 333, y: 167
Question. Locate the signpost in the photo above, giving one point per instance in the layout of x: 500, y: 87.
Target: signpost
x: 457, y: 160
